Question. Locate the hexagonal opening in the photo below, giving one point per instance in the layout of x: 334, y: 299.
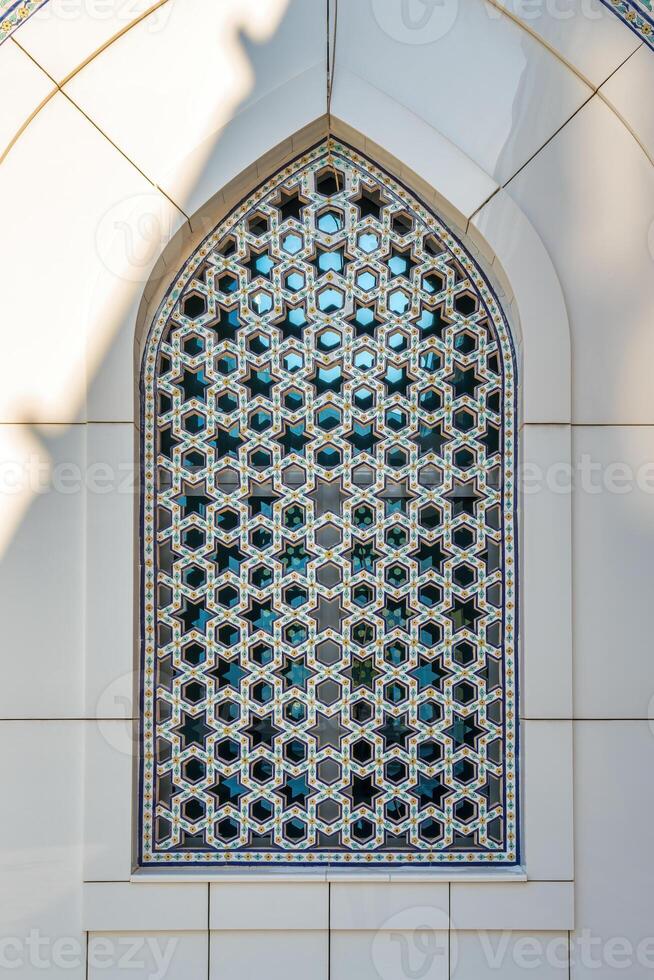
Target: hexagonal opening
x: 465, y: 303
x: 328, y: 340
x: 398, y: 301
x: 227, y: 829
x: 397, y: 341
x: 328, y: 417
x: 402, y: 223
x: 259, y: 343
x: 464, y: 420
x: 329, y: 181
x: 362, y: 751
x: 193, y: 810
x: 464, y: 692
x: 258, y: 224
x: 295, y: 634
x: 193, y: 770
x: 430, y: 517
x: 330, y: 299
x: 259, y: 420
x: 194, y: 305
x: 262, y: 771
x: 331, y: 221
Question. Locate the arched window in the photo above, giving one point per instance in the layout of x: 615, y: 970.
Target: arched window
x: 328, y: 538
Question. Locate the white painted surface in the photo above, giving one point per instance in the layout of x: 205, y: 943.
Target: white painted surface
x: 42, y: 571
x: 392, y: 906
x: 540, y: 905
x: 547, y: 773
x: 546, y: 609
x: 417, y: 144
x: 121, y: 907
x: 509, y: 955
x: 386, y: 956
x: 624, y: 91
x: 111, y: 502
x: 41, y: 769
x: 96, y: 259
x: 148, y: 956
x: 614, y: 854
x: 544, y: 332
x: 62, y: 35
x: 584, y: 33
x: 108, y: 809
x: 29, y: 86
x: 500, y: 71
x: 148, y: 78
x: 287, y: 905
x: 613, y: 578
x: 275, y: 955
x: 585, y: 193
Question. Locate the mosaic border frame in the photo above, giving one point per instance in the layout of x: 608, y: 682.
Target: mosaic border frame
x: 510, y: 856
x: 633, y: 16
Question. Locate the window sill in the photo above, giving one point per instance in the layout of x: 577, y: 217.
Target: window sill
x: 164, y: 876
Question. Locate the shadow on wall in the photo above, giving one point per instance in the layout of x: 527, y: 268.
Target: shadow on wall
x: 87, y: 374
x: 71, y: 357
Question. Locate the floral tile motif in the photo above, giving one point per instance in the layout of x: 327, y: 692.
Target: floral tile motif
x: 638, y: 15
x: 13, y: 13
x: 328, y: 538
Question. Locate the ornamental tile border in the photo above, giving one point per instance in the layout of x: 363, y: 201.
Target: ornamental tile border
x: 13, y: 14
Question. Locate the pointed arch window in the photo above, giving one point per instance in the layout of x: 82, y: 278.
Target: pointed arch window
x: 328, y: 538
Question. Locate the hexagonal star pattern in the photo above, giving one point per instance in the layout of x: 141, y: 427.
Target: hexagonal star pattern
x: 328, y: 538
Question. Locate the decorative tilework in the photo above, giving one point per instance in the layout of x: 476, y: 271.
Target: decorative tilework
x: 13, y: 13
x: 328, y: 535
x: 637, y: 15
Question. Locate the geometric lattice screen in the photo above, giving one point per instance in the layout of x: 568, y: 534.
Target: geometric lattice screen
x: 328, y: 538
